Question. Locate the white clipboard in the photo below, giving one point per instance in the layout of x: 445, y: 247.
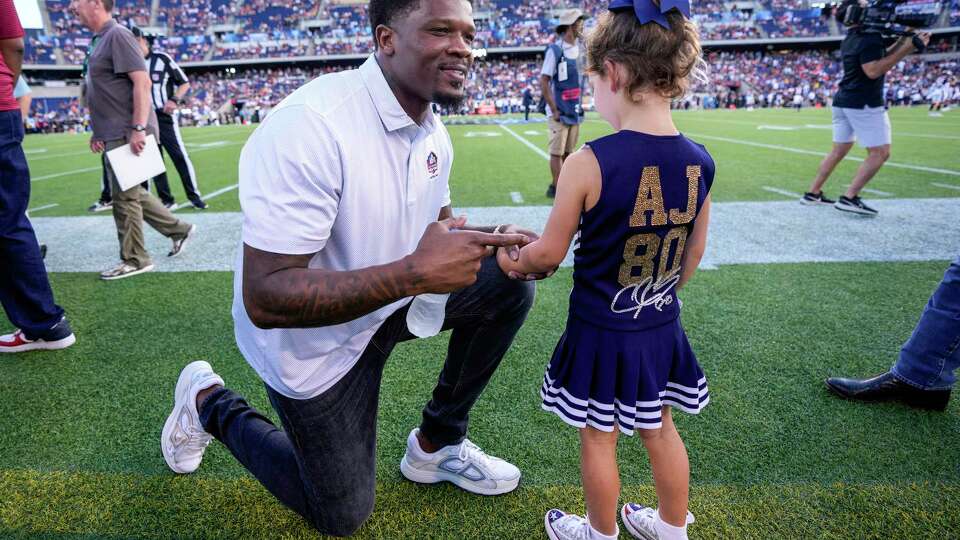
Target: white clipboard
x: 132, y: 169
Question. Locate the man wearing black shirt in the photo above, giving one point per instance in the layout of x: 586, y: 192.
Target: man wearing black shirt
x: 859, y: 112
x: 169, y: 85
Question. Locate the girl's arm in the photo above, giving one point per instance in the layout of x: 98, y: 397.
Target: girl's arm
x: 578, y: 189
x: 696, y: 244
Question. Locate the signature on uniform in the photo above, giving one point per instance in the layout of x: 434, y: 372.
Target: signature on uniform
x: 646, y: 293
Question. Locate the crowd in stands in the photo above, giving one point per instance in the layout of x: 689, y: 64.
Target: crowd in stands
x: 735, y: 79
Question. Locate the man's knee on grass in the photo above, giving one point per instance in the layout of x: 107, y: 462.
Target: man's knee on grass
x: 345, y: 517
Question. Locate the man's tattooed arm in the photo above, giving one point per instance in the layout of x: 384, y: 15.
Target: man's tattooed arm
x: 279, y: 291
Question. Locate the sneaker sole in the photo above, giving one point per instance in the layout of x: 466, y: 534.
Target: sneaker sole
x: 183, y: 245
x: 815, y: 203
x: 424, y: 477
x: 179, y: 397
x: 635, y: 532
x: 854, y: 210
x: 42, y: 345
x: 143, y: 270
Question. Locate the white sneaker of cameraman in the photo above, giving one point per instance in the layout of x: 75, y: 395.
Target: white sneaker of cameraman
x: 464, y: 465
x: 183, y: 439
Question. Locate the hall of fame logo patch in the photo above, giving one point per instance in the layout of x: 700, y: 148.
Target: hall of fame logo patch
x: 433, y: 165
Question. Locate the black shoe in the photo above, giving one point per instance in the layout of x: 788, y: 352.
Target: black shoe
x: 855, y: 205
x: 810, y: 198
x: 551, y: 191
x: 199, y: 205
x: 886, y: 387
x: 43, y: 251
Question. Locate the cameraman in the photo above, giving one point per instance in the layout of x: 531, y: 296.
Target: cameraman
x: 858, y: 109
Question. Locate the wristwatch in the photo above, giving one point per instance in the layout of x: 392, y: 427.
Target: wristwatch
x: 139, y: 127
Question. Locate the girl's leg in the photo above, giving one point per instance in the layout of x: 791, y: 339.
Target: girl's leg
x: 601, y: 478
x: 671, y: 470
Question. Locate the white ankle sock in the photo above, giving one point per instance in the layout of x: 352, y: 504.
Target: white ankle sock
x: 666, y: 531
x: 597, y: 535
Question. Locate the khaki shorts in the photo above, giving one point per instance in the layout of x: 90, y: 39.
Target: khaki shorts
x: 563, y: 138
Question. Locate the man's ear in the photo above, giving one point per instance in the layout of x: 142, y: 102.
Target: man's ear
x: 384, y: 37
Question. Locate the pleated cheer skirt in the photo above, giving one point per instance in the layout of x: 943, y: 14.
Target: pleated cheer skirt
x: 602, y: 378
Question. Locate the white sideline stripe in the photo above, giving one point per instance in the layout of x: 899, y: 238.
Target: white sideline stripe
x: 66, y: 173
x: 948, y: 186
x: 782, y: 192
x: 821, y: 154
x: 876, y: 192
x: 34, y: 151
x: 516, y: 197
x: 529, y: 144
x: 220, y: 191
x: 54, y: 156
x: 44, y: 207
x: 816, y: 126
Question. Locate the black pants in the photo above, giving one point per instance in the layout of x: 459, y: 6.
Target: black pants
x: 172, y: 142
x: 323, y: 463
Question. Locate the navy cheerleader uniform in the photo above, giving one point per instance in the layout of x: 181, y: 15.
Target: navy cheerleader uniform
x: 624, y: 353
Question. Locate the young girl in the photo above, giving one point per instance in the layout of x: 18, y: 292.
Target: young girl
x: 640, y: 199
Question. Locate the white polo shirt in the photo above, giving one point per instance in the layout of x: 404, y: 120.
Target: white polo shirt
x: 338, y: 170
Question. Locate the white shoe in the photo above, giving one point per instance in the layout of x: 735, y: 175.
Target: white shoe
x: 183, y: 439
x: 563, y: 526
x: 463, y: 465
x: 123, y: 270
x: 640, y: 521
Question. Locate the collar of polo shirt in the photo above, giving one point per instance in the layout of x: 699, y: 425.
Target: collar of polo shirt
x: 391, y: 113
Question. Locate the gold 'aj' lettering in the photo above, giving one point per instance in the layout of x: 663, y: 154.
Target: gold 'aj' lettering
x: 649, y: 199
x: 643, y: 261
x: 693, y: 183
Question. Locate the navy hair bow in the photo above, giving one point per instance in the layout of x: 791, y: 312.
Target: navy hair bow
x: 647, y: 11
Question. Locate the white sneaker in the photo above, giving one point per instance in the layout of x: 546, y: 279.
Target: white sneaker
x: 463, y: 465
x: 183, y: 439
x: 640, y: 521
x: 563, y: 526
x: 124, y: 270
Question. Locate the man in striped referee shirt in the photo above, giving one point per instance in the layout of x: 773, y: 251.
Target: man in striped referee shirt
x: 169, y: 85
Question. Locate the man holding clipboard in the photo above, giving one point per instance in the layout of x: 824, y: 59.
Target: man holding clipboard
x: 117, y: 91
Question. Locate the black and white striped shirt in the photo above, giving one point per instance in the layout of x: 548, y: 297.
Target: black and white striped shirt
x: 165, y: 77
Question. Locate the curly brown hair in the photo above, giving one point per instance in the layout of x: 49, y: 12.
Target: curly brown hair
x: 654, y: 58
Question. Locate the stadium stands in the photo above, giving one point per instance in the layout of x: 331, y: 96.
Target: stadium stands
x: 735, y: 80
x: 201, y: 30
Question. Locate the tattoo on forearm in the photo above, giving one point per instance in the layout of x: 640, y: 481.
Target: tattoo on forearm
x: 278, y: 295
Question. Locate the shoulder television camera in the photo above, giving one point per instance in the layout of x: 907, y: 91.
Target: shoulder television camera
x: 891, y: 17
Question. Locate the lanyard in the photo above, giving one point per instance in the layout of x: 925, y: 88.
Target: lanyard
x: 86, y: 59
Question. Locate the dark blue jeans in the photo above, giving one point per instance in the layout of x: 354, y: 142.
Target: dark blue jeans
x: 930, y: 357
x: 24, y: 288
x: 323, y: 463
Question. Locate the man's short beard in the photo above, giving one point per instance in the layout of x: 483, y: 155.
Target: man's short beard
x: 446, y: 100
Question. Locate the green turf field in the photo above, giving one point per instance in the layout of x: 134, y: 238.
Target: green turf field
x: 491, y: 163
x: 773, y: 455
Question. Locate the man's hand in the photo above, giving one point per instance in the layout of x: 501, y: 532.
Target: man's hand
x: 556, y: 114
x: 169, y: 107
x: 447, y: 260
x: 924, y: 37
x: 138, y: 140
x: 96, y: 146
x: 512, y: 253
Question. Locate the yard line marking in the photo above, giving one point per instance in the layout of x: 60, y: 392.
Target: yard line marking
x: 790, y: 194
x: 210, y: 144
x: 34, y: 151
x: 896, y: 133
x: 529, y: 144
x: 532, y: 132
x: 821, y: 154
x: 44, y: 207
x: 207, y: 197
x: 948, y: 186
x: 516, y: 197
x: 54, y: 156
x: 67, y: 173
x: 778, y: 128
x: 225, y: 144
x: 876, y: 192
